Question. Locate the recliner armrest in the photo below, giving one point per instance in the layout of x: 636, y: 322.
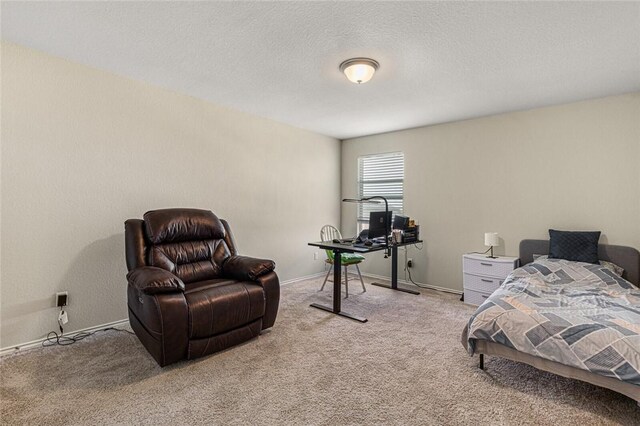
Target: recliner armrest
x: 153, y: 280
x: 245, y: 268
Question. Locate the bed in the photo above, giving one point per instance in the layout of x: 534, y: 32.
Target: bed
x: 569, y: 318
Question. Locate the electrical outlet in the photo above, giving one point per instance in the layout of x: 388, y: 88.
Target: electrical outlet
x: 410, y: 262
x: 62, y: 299
x: 315, y: 255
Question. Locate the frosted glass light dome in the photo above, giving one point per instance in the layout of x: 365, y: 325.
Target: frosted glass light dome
x: 359, y: 70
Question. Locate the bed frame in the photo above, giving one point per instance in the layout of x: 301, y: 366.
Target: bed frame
x: 626, y: 257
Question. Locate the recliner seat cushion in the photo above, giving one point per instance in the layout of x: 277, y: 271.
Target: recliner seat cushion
x: 220, y: 308
x: 203, y: 285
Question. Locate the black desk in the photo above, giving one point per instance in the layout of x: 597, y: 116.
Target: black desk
x: 337, y: 267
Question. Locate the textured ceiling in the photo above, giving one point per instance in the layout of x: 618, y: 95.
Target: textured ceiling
x: 439, y: 61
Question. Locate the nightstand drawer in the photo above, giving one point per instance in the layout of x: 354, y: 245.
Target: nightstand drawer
x: 475, y: 297
x: 487, y: 267
x: 482, y: 284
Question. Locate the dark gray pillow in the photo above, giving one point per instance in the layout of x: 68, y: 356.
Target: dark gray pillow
x: 575, y: 246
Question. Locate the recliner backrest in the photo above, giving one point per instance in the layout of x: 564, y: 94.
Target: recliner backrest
x: 190, y: 243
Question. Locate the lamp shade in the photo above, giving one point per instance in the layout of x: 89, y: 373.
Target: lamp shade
x: 491, y: 239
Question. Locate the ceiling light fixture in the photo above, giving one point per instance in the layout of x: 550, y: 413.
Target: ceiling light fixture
x: 359, y: 70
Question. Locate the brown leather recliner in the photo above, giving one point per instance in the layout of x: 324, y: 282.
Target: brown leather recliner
x: 189, y: 293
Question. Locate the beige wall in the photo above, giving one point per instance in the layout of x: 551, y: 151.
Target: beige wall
x: 572, y: 167
x: 83, y: 150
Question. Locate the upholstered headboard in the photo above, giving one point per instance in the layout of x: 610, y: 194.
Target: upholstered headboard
x: 626, y: 257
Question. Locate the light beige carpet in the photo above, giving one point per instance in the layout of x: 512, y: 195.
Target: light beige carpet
x: 405, y: 366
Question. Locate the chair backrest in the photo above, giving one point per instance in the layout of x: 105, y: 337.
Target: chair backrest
x: 329, y: 233
x: 193, y: 244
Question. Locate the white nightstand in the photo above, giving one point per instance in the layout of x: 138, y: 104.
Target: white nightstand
x: 483, y: 275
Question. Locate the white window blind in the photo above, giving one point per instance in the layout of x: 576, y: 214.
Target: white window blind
x: 380, y: 174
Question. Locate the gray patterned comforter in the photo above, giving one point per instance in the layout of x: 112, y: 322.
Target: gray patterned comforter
x: 574, y: 313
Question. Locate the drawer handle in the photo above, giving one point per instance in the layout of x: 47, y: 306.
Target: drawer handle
x: 485, y: 297
x: 486, y: 264
x: 486, y: 281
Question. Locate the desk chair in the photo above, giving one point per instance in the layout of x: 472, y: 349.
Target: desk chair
x: 329, y: 233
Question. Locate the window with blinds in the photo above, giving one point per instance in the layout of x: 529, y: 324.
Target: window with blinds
x: 380, y: 174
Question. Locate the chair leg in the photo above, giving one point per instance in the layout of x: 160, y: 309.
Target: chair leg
x: 361, y: 282
x: 326, y: 278
x: 346, y: 281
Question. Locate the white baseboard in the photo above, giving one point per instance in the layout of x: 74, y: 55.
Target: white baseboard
x: 429, y: 286
x: 377, y: 277
x: 38, y: 342
x: 306, y: 277
x: 34, y: 343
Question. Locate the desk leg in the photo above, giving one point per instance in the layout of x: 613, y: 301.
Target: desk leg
x: 394, y: 274
x: 337, y: 291
x: 337, y: 281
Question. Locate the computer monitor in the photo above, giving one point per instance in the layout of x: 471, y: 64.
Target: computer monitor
x: 378, y: 227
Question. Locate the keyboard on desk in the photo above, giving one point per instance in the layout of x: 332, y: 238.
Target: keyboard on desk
x: 344, y: 241
x: 363, y: 245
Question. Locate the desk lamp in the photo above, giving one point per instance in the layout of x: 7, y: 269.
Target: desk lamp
x: 374, y: 200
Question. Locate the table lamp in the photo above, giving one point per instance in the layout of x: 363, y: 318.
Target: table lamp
x: 491, y: 239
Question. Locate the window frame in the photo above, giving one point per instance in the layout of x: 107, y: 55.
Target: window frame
x: 394, y: 199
